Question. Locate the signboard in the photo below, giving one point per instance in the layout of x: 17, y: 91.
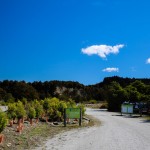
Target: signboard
x: 130, y: 108
x: 73, y: 113
x: 127, y: 108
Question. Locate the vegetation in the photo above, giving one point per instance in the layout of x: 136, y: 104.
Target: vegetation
x: 47, y: 100
x: 20, y: 110
x: 12, y: 111
x: 113, y: 90
x: 38, y: 109
x: 3, y: 121
x: 51, y: 109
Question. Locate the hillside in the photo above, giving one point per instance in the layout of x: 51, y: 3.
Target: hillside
x: 133, y: 90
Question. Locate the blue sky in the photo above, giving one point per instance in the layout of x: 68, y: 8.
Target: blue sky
x: 77, y: 40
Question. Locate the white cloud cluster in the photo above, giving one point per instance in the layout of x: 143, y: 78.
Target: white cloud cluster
x: 102, y: 50
x: 148, y: 61
x: 111, y: 70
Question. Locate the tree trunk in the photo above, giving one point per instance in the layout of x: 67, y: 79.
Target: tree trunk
x: 1, y: 138
x: 11, y: 123
x: 31, y: 122
x: 37, y: 120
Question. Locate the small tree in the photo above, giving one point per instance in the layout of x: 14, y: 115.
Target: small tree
x: 46, y: 105
x: 11, y: 112
x: 3, y: 123
x: 3, y: 120
x: 62, y: 105
x: 53, y: 112
x: 31, y: 113
x: 38, y: 109
x: 20, y: 111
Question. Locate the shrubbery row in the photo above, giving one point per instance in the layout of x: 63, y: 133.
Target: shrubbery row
x: 49, y: 109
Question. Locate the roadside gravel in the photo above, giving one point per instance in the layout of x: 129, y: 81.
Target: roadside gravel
x: 115, y: 133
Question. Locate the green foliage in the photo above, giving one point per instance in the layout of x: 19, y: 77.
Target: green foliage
x: 53, y: 108
x: 3, y: 120
x: 38, y: 108
x: 31, y: 112
x: 71, y: 104
x: 92, y: 102
x: 139, y: 85
x: 116, y: 96
x: 24, y: 101
x: 62, y: 106
x: 82, y: 106
x: 9, y: 98
x: 2, y: 93
x: 133, y: 94
x: 46, y: 104
x: 114, y: 90
x: 136, y: 91
x: 12, y: 111
x: 20, y: 110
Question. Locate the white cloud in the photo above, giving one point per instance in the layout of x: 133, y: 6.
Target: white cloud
x: 102, y: 50
x: 148, y: 61
x: 111, y: 70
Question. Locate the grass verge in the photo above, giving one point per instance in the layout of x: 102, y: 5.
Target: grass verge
x: 34, y: 136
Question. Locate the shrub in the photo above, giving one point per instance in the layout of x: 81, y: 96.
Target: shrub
x: 31, y: 112
x: 20, y: 111
x: 3, y: 120
x: 92, y: 102
x: 12, y: 111
x: 38, y: 108
x: 82, y: 106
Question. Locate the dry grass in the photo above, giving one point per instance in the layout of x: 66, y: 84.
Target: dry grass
x: 34, y: 136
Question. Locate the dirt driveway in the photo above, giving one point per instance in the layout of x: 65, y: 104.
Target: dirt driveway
x: 115, y: 133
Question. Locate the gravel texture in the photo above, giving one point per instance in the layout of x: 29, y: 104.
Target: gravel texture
x: 116, y: 132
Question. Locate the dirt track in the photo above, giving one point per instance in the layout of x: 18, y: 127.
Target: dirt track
x: 115, y: 133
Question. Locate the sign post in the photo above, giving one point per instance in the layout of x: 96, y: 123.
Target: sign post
x: 127, y: 108
x: 72, y: 113
x: 65, y: 117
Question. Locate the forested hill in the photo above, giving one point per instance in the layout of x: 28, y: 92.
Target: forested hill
x: 64, y: 90
x: 122, y: 81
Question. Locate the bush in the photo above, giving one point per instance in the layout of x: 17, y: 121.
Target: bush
x: 92, y: 102
x: 3, y: 120
x: 31, y: 112
x: 11, y: 111
x: 104, y: 106
x: 83, y: 108
x: 38, y: 108
x: 20, y: 111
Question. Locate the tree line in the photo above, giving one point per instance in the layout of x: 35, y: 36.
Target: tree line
x: 114, y: 90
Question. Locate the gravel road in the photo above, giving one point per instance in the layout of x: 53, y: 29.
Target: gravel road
x: 115, y: 133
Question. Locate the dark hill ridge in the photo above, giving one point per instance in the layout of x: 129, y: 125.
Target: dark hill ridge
x: 122, y: 81
x: 14, y: 90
